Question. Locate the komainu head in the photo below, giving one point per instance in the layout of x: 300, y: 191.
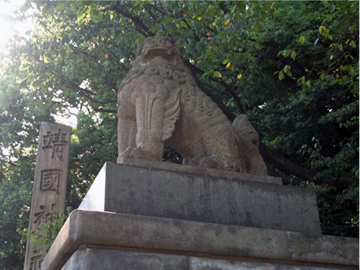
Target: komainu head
x: 158, y: 51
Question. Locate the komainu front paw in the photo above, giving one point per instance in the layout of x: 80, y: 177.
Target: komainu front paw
x: 124, y: 155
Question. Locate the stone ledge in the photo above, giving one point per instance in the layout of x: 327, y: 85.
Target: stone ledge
x: 163, y: 235
x: 154, y: 165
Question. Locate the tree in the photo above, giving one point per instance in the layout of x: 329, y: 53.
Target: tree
x: 292, y: 67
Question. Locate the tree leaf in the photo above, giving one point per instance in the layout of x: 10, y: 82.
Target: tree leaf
x: 206, y: 73
x: 281, y: 75
x: 153, y: 29
x: 217, y: 74
x: 293, y: 55
x: 97, y: 18
x: 81, y: 12
x: 302, y: 39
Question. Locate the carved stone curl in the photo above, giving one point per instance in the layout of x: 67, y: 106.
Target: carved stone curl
x: 160, y: 103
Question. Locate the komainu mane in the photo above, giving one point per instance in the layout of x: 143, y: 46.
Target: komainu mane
x: 160, y: 103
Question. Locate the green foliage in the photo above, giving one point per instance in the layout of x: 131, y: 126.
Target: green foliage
x: 92, y: 144
x: 45, y: 236
x: 339, y: 213
x: 15, y: 199
x: 292, y: 67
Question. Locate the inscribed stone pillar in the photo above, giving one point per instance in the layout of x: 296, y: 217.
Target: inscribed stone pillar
x: 48, y: 198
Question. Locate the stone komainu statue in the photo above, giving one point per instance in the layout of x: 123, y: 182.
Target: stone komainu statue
x: 159, y: 103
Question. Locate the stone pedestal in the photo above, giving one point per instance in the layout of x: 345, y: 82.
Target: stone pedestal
x: 206, y: 196
x: 92, y: 240
x: 179, y: 217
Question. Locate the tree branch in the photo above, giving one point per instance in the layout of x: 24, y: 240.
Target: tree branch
x: 104, y: 110
x: 8, y: 162
x: 143, y: 29
x: 82, y: 92
x: 223, y: 7
x: 290, y: 167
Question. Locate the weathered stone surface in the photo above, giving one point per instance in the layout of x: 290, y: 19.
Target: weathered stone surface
x: 249, y: 144
x: 96, y: 258
x: 159, y: 103
x: 93, y: 258
x: 199, y: 239
x: 294, y: 267
x: 160, y: 193
x: 201, y: 170
x: 49, y: 188
x: 218, y: 264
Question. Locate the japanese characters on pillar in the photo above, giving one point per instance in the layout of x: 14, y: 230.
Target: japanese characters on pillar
x: 48, y: 198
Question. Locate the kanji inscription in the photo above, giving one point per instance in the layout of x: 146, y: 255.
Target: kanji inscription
x: 48, y: 198
x: 44, y: 215
x: 56, y: 142
x: 35, y: 263
x: 50, y: 180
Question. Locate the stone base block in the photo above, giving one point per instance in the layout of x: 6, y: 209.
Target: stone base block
x: 92, y: 258
x: 203, y: 195
x: 92, y: 240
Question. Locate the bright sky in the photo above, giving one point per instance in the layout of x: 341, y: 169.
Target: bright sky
x: 8, y: 25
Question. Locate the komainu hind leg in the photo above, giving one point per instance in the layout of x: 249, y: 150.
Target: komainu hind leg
x: 221, y: 145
